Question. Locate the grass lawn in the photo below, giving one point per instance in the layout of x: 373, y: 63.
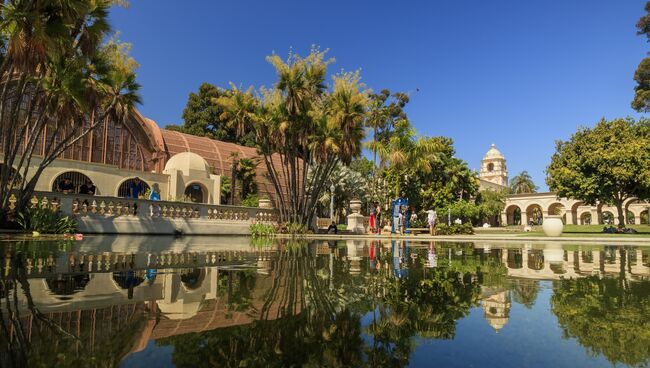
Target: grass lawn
x: 587, y: 231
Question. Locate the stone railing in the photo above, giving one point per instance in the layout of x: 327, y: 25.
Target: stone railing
x: 80, y: 205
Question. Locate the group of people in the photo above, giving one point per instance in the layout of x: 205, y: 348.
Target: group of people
x: 66, y: 186
x: 375, y: 219
x: 403, y: 214
x: 136, y: 189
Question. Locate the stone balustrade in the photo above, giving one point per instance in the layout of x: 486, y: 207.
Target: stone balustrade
x: 103, y: 210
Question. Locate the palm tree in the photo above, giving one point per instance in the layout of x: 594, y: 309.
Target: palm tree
x: 302, y: 128
x: 57, y: 79
x: 522, y: 183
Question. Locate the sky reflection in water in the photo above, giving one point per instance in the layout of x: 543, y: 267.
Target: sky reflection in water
x: 138, y: 301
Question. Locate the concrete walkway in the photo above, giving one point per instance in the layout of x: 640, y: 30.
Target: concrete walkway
x: 608, y: 240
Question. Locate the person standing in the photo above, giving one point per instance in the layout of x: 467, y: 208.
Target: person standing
x: 378, y: 217
x: 432, y: 219
x: 400, y: 222
x: 154, y: 195
x: 135, y: 188
x: 372, y: 219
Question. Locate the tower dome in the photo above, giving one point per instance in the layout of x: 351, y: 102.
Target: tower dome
x: 189, y: 163
x: 493, y: 153
x: 493, y: 167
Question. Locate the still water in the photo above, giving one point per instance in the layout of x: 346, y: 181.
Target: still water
x: 229, y: 302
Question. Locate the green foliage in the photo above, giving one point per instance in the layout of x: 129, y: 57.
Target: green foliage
x: 455, y: 229
x: 58, y: 72
x: 522, y: 183
x: 491, y: 203
x: 608, y: 316
x: 246, y: 172
x: 467, y: 211
x: 296, y: 228
x: 641, y: 101
x: 203, y: 118
x: 608, y: 163
x: 251, y: 200
x: 45, y: 221
x: 312, y: 126
x: 226, y: 188
x: 262, y: 230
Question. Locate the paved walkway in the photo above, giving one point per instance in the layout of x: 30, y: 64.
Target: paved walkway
x: 608, y: 240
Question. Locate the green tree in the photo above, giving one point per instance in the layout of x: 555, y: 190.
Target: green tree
x: 307, y: 127
x: 608, y: 163
x: 204, y: 118
x: 641, y: 101
x: 608, y: 316
x: 57, y: 75
x: 522, y: 183
x: 491, y: 203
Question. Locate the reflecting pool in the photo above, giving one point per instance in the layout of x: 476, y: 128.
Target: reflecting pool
x: 232, y: 302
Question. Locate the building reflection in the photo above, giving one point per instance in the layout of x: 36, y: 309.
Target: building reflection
x: 95, y: 294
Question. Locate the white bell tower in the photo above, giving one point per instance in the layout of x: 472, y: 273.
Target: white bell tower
x: 493, y: 167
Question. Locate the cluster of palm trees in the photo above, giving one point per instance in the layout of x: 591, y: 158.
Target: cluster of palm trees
x: 59, y: 79
x: 303, y: 129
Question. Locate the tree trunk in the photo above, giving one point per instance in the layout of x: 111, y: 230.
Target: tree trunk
x: 621, y: 214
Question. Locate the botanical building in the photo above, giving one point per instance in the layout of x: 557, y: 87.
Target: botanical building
x: 182, y: 165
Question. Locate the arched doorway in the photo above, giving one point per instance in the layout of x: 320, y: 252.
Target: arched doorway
x: 534, y: 214
x: 575, y: 215
x: 643, y: 217
x: 630, y: 218
x: 513, y: 215
x: 585, y: 218
x: 515, y: 259
x: 76, y: 181
x: 557, y: 209
x: 124, y: 190
x: 193, y: 279
x: 608, y: 218
x: 63, y: 285
x: 536, y: 259
x: 195, y: 193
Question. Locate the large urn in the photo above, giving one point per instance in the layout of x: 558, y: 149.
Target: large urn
x: 355, y: 206
x: 553, y: 225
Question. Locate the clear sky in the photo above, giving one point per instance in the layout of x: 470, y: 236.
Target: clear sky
x: 520, y: 74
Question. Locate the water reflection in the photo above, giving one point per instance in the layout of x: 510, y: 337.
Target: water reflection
x: 292, y: 303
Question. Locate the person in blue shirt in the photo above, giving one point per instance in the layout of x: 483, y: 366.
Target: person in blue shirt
x: 136, y: 188
x: 154, y: 195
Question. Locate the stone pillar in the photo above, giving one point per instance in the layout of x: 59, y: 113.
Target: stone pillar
x: 569, y: 217
x: 595, y: 219
x: 544, y: 216
x: 216, y: 189
x: 524, y: 218
x: 265, y: 203
x: 504, y: 219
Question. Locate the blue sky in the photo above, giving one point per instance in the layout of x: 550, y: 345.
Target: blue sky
x: 520, y: 74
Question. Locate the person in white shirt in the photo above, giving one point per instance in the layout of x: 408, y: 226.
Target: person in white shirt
x: 432, y: 219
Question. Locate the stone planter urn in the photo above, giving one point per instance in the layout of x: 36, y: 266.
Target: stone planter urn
x: 355, y: 206
x: 553, y: 225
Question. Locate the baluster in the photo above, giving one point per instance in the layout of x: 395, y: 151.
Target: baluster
x: 164, y: 211
x: 111, y: 207
x: 34, y: 202
x: 184, y: 212
x: 118, y: 209
x: 102, y: 207
x: 84, y: 208
x: 93, y: 206
x: 44, y: 203
x: 12, y: 202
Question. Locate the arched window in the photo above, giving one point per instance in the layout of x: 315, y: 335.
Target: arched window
x: 75, y: 180
x: 608, y: 218
x: 195, y: 193
x: 490, y: 167
x: 193, y: 279
x: 125, y: 189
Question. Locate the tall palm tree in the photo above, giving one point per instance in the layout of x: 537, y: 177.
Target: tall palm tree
x: 302, y: 127
x: 522, y: 183
x: 56, y: 76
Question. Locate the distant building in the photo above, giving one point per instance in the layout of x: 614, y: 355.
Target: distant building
x: 531, y: 208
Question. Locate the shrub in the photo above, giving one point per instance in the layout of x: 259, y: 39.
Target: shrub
x: 46, y: 221
x: 251, y: 200
x: 259, y: 230
x: 455, y: 229
x: 296, y: 228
